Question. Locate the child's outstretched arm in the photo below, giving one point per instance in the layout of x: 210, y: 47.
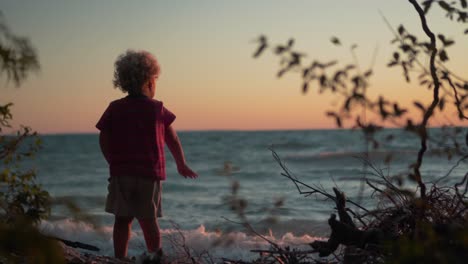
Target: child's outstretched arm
x: 173, y: 143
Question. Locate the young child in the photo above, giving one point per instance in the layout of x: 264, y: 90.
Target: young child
x: 133, y: 131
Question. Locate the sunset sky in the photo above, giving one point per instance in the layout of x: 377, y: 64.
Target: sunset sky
x: 209, y: 78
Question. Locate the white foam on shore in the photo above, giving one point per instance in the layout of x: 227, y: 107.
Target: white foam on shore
x: 233, y: 245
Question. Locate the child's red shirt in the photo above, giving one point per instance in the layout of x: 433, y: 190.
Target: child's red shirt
x: 136, y: 126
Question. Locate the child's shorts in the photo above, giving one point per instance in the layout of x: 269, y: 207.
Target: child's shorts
x: 134, y: 197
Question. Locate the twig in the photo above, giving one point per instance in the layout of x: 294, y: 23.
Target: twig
x: 464, y: 181
x: 297, y: 182
x: 251, y: 229
x: 457, y: 99
x: 451, y: 169
x: 381, y: 191
x: 400, y: 39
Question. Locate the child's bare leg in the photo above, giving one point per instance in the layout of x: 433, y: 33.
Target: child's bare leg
x: 122, y: 226
x: 151, y: 233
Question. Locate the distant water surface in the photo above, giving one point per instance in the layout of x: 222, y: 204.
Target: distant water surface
x: 72, y: 166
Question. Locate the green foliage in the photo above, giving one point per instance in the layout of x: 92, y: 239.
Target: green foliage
x: 23, y: 243
x: 433, y: 244
x: 17, y: 55
x: 23, y: 202
x: 20, y: 196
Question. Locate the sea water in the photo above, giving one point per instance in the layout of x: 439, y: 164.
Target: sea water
x: 71, y: 167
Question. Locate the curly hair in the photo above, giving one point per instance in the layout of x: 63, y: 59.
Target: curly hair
x: 133, y: 69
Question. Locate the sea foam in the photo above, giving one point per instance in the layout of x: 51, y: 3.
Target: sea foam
x: 199, y: 241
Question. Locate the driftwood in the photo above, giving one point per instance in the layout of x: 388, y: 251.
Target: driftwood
x: 368, y: 243
x: 75, y: 244
x: 345, y: 232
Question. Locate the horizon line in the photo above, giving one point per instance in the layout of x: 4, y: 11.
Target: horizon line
x: 233, y: 130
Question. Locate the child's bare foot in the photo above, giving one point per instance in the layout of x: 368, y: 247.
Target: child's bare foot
x: 152, y: 258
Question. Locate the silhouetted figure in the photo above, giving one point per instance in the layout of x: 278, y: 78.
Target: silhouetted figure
x: 134, y: 130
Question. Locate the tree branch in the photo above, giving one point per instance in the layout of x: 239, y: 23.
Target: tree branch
x: 435, y: 100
